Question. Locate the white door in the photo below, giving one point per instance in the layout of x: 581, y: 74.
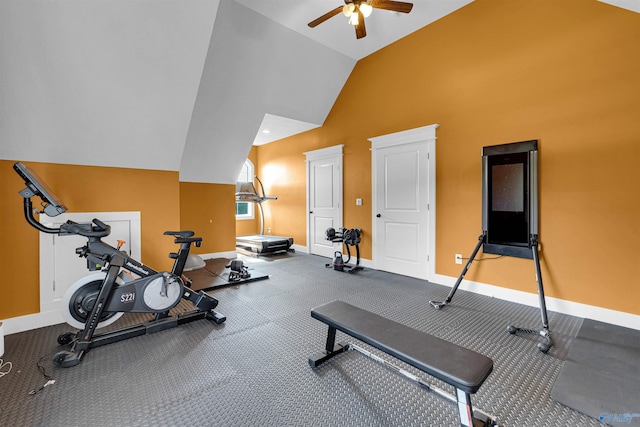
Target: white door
x: 325, y: 198
x: 61, y: 267
x: 402, y: 221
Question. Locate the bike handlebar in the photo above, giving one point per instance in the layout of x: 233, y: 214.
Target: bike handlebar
x: 95, y: 229
x: 70, y: 227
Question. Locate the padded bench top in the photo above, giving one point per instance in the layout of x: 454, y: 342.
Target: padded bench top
x: 460, y: 367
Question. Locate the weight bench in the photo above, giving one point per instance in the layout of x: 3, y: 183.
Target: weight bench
x: 462, y: 368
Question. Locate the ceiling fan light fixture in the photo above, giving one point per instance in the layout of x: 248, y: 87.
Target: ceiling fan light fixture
x: 348, y: 9
x: 366, y: 9
x: 353, y: 19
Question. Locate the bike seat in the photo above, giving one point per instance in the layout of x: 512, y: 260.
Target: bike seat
x: 184, y: 234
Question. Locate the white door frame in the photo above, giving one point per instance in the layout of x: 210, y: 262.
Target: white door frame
x: 422, y: 134
x: 323, y: 153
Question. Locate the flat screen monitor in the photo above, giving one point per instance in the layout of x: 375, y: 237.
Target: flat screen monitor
x: 51, y: 203
x: 510, y: 198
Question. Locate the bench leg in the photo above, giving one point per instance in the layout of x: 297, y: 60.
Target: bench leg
x: 469, y: 417
x: 331, y: 349
x: 465, y: 410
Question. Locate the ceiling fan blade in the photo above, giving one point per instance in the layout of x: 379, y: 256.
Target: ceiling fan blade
x: 326, y: 16
x: 361, y: 31
x: 396, y: 6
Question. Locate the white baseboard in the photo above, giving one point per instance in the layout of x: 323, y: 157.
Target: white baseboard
x: 213, y: 255
x: 571, y: 308
x: 298, y: 248
x: 367, y: 263
x: 32, y: 321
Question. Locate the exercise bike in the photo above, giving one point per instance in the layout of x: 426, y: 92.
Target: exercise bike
x: 119, y: 283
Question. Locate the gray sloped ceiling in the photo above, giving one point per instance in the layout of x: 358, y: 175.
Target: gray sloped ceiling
x: 106, y: 83
x: 254, y: 67
x: 153, y: 85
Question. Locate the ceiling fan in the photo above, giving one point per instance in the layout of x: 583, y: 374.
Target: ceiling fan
x: 357, y: 10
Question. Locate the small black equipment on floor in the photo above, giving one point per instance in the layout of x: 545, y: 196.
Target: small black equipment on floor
x: 239, y: 271
x: 350, y: 237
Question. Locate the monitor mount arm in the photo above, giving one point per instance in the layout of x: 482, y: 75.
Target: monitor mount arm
x: 28, y: 214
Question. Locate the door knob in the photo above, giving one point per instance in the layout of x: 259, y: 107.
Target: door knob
x: 310, y: 212
x: 378, y: 216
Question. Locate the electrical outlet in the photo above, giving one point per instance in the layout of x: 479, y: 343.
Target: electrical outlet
x: 269, y: 230
x: 458, y: 258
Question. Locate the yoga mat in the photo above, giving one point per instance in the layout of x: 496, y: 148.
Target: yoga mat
x: 601, y: 376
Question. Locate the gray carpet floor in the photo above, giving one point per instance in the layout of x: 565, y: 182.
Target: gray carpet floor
x: 253, y: 370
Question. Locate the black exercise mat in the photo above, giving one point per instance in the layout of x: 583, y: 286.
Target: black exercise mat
x: 601, y: 376
x: 253, y: 369
x: 215, y: 274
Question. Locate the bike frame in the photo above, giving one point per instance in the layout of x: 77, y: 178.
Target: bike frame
x: 112, y: 295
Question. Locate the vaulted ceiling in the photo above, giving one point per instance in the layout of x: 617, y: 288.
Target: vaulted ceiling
x: 178, y: 85
x: 175, y: 85
x: 267, y: 70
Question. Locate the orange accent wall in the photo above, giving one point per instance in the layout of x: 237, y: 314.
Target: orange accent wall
x: 494, y: 72
x: 19, y: 246
x: 155, y: 194
x: 282, y: 171
x: 209, y: 210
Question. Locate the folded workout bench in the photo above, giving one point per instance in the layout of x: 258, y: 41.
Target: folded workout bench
x: 462, y: 368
